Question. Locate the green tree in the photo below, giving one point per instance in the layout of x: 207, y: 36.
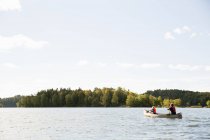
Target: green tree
x: 122, y: 96
x: 44, y: 100
x: 80, y: 97
x: 160, y: 101
x: 115, y: 99
x: 145, y: 100
x: 88, y: 98
x: 177, y: 102
x: 36, y: 101
x: 22, y: 102
x: 55, y: 100
x: 74, y: 99
x: 166, y: 102
x: 96, y: 98
x: 132, y: 101
x: 61, y: 99
x: 107, y: 97
x: 1, y: 105
x: 152, y: 100
x: 208, y: 103
x: 68, y: 100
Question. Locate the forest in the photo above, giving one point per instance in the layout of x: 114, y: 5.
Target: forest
x: 10, y: 101
x: 188, y: 98
x: 108, y: 97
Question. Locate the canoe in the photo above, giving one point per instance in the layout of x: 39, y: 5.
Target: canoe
x: 159, y: 115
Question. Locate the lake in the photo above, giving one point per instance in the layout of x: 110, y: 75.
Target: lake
x: 101, y: 124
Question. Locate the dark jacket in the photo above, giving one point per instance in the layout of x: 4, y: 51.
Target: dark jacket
x: 173, y: 110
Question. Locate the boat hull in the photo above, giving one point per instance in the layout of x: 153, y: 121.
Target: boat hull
x: 159, y: 115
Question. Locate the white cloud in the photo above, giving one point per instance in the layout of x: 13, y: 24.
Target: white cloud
x: 185, y: 67
x: 186, y: 29
x: 150, y: 65
x: 182, y: 30
x: 180, y: 67
x: 207, y: 68
x: 142, y: 66
x: 100, y: 64
x: 82, y: 63
x: 189, y: 67
x: 126, y: 65
x: 10, y: 65
x: 85, y: 62
x: 169, y: 36
x: 178, y: 31
x: 19, y: 41
x: 9, y: 5
x: 193, y: 35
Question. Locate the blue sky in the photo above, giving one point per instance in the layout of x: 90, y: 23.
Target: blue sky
x: 139, y: 45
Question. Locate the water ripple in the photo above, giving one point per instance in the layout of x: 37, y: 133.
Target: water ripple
x: 101, y: 123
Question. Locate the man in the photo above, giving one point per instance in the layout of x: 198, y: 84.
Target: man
x: 153, y: 110
x: 172, y: 109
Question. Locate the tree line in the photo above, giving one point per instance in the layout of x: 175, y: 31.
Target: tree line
x: 108, y: 97
x: 10, y: 101
x: 188, y: 98
x: 105, y: 97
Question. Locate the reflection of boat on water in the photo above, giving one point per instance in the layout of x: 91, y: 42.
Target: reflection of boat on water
x: 159, y: 115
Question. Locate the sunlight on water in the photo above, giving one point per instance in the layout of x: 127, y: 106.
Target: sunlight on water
x: 100, y: 124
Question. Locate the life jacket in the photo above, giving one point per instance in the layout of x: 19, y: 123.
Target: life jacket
x: 173, y: 110
x: 154, y: 110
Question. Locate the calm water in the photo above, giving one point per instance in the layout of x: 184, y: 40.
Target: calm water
x: 100, y: 124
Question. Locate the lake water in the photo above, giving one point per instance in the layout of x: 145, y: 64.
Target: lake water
x: 101, y: 124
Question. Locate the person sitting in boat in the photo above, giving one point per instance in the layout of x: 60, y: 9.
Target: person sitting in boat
x: 172, y: 109
x: 153, y: 110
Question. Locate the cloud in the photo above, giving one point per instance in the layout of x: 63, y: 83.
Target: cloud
x: 100, y: 64
x: 83, y: 63
x: 154, y: 66
x: 169, y: 36
x: 150, y: 65
x: 10, y: 5
x: 193, y: 35
x: 186, y: 29
x: 182, y: 30
x: 10, y: 65
x: 142, y: 66
x: 20, y: 41
x: 126, y: 65
x: 185, y: 67
x: 207, y: 68
x: 179, y: 31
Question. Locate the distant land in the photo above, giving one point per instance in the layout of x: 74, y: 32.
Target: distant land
x: 108, y: 97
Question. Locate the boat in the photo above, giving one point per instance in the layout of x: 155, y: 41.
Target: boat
x: 147, y: 113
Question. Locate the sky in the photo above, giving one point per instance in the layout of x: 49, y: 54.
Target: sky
x: 138, y: 45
